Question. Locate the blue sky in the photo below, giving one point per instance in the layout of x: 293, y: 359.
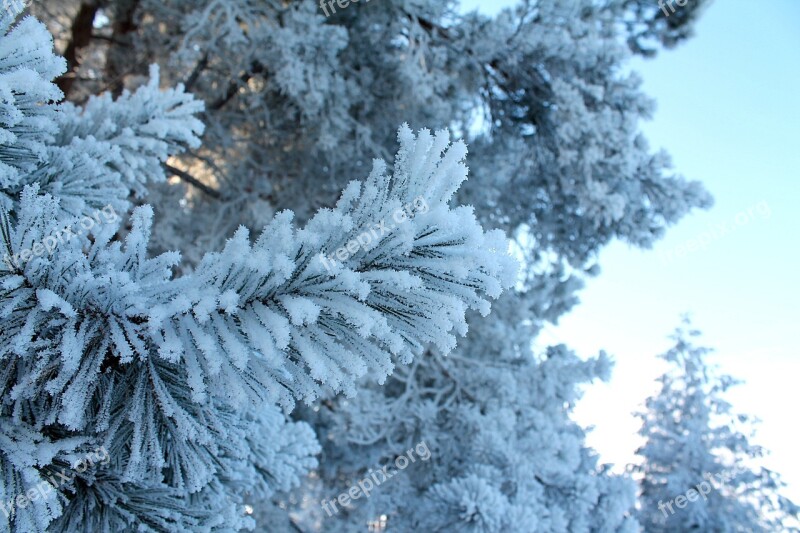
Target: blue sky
x: 728, y: 113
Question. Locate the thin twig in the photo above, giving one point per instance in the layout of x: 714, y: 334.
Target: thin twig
x: 200, y: 67
x: 233, y: 88
x: 188, y: 178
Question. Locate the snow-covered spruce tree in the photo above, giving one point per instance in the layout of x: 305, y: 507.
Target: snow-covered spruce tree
x: 504, y: 454
x: 185, y: 381
x: 694, y: 442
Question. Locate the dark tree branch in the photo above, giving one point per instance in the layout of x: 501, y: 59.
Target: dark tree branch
x: 430, y: 27
x: 233, y: 88
x: 191, y: 180
x: 109, y: 39
x: 200, y: 67
x: 295, y: 526
x: 118, y: 60
x: 81, y: 37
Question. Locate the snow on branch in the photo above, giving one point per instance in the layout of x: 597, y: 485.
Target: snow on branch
x: 100, y: 338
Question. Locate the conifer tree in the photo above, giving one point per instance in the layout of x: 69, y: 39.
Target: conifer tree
x: 698, y: 466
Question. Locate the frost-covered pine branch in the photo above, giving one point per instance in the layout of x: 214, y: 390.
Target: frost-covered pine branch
x: 179, y: 378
